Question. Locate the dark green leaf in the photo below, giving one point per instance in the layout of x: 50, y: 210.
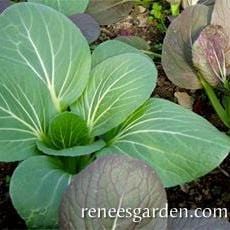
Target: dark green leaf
x: 73, y: 151
x: 67, y: 130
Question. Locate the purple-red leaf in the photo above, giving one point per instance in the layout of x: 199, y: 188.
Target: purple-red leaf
x: 189, y: 221
x: 113, y: 182
x: 221, y: 16
x: 177, y: 46
x: 88, y: 26
x: 4, y: 4
x: 209, y: 54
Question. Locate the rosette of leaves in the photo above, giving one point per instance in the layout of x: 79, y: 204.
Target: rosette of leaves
x: 61, y: 107
x: 196, y: 53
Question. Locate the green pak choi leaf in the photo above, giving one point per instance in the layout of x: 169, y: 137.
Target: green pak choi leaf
x: 45, y: 45
x: 109, y: 49
x: 74, y: 151
x: 180, y: 145
x: 43, y: 56
x: 117, y: 87
x: 67, y: 7
x: 67, y: 130
x: 36, y: 189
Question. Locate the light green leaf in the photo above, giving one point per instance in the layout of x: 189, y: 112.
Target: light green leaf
x: 73, y: 151
x: 67, y: 130
x: 180, y: 145
x: 109, y: 49
x: 42, y: 56
x: 22, y: 117
x: 36, y: 188
x: 41, y: 43
x: 67, y: 7
x: 117, y: 87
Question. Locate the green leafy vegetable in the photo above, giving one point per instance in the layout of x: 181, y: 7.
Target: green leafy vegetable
x: 113, y: 182
x: 177, y: 143
x: 36, y: 188
x: 68, y: 130
x: 109, y: 49
x: 114, y: 93
x: 54, y: 102
x: 46, y: 49
x: 71, y: 151
x: 27, y: 62
x: 68, y: 8
x: 22, y: 119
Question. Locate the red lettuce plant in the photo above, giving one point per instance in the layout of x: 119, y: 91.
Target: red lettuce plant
x: 196, y: 53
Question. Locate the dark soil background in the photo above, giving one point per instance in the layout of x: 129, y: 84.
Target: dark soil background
x: 210, y: 191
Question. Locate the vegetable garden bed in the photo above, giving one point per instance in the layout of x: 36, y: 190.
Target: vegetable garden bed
x: 203, y: 174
